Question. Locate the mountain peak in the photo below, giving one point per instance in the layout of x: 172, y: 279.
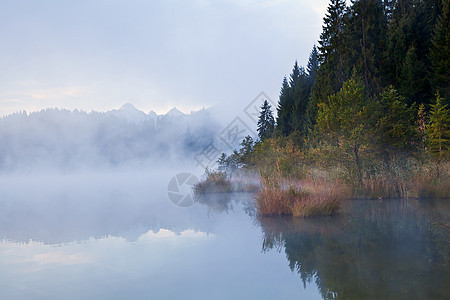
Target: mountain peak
x: 174, y: 112
x: 130, y: 113
x: 128, y: 106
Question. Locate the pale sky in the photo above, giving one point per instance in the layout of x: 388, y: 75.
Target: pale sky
x: 100, y: 54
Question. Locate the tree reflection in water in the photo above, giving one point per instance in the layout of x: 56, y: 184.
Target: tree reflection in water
x: 371, y: 250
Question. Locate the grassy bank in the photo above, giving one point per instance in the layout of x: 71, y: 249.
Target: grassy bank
x: 300, y: 198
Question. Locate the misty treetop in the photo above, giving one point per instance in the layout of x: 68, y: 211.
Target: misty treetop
x: 76, y: 139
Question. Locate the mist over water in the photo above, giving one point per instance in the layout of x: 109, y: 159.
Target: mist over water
x: 85, y: 213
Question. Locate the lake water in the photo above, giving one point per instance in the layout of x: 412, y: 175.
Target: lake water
x: 117, y: 236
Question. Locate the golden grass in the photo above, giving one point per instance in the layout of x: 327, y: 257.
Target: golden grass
x: 305, y: 199
x: 382, y: 187
x: 433, y: 188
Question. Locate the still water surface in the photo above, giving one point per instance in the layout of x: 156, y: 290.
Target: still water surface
x: 117, y: 236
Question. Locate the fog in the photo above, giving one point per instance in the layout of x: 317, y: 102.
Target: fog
x: 64, y: 140
x: 55, y: 208
x: 73, y: 175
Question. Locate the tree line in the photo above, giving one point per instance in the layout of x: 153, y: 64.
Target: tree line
x: 399, y: 44
x: 372, y: 101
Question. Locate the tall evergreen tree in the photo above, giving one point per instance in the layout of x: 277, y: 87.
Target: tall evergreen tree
x: 331, y: 46
x: 409, y: 38
x: 301, y: 90
x: 344, y: 123
x: 438, y: 129
x: 412, y: 78
x: 266, y: 121
x: 366, y: 25
x: 331, y: 74
x: 313, y: 64
x: 297, y: 72
x: 395, y: 126
x: 440, y: 54
x: 285, y: 104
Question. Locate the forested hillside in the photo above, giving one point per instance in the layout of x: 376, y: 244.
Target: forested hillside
x: 369, y: 112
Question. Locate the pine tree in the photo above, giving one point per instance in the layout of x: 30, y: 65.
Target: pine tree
x: 295, y: 75
x: 266, y: 121
x: 313, y: 65
x: 365, y: 43
x: 440, y: 54
x: 411, y: 28
x: 396, y: 123
x: 222, y: 163
x: 301, y: 90
x: 344, y: 122
x: 331, y: 74
x: 331, y: 45
x: 438, y: 129
x: 412, y: 77
x: 284, y: 109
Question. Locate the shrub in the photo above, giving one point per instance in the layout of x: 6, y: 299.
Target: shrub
x: 215, y: 182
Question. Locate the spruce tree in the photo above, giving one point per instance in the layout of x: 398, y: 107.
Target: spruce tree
x: 301, y: 90
x: 412, y: 78
x: 440, y: 54
x: 295, y: 75
x: 330, y: 75
x: 285, y: 104
x: 395, y: 125
x: 438, y: 129
x: 313, y: 65
x: 344, y: 125
x: 266, y: 121
x: 411, y: 28
x: 331, y: 46
x: 366, y: 26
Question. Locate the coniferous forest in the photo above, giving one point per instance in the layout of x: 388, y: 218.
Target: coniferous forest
x: 367, y: 117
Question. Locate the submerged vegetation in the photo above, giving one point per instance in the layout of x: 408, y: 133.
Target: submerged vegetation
x: 369, y: 116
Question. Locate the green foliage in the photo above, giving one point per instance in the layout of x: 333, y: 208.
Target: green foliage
x: 438, y: 129
x: 215, y: 182
x: 266, y: 122
x: 283, y: 110
x: 412, y: 76
x: 295, y: 97
x: 331, y: 44
x: 396, y: 128
x: 440, y: 54
x: 280, y: 154
x: 377, y: 62
x: 239, y: 159
x: 313, y: 64
x: 365, y: 42
x: 343, y: 122
x: 406, y: 57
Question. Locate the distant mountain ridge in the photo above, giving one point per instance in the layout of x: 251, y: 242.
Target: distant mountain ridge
x: 75, y: 139
x: 130, y: 113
